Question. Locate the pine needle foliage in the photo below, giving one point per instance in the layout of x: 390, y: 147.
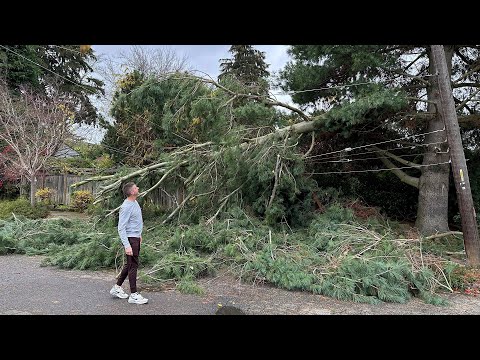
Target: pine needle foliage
x: 187, y: 285
x: 337, y: 255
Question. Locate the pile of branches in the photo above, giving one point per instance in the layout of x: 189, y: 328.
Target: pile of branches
x: 337, y: 255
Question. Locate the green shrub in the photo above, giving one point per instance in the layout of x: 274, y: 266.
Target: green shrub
x: 104, y: 162
x: 22, y: 206
x: 81, y: 199
x: 44, y: 195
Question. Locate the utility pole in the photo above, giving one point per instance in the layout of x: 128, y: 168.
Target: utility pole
x: 447, y: 111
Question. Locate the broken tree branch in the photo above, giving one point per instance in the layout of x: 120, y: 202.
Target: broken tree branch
x: 395, y: 157
x: 224, y: 202
x: 404, y: 177
x: 275, y: 185
x: 311, y: 146
x: 436, y: 236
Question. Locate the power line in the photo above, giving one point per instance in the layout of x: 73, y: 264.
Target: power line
x: 348, y: 149
x: 325, y: 88
x: 376, y: 170
x: 339, y: 86
x: 374, y: 151
x: 379, y: 143
x: 120, y: 151
x: 363, y: 159
x: 123, y: 152
x: 43, y: 67
x: 281, y: 93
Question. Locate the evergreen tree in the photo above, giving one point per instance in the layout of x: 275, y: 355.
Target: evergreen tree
x: 374, y: 93
x: 151, y: 114
x: 247, y: 66
x: 19, y: 69
x: 32, y: 66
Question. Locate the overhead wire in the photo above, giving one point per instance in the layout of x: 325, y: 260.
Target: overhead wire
x: 373, y: 151
x: 377, y: 170
x: 364, y: 159
x: 348, y: 149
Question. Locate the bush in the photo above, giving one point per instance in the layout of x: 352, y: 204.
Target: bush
x: 81, y: 199
x: 22, y: 206
x: 44, y: 195
x: 104, y: 162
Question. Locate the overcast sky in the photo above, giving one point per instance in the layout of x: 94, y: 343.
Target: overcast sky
x: 204, y: 58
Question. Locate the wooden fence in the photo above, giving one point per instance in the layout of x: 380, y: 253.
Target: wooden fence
x: 60, y: 183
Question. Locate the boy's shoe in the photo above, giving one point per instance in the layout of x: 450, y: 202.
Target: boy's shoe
x: 118, y: 292
x: 136, y: 298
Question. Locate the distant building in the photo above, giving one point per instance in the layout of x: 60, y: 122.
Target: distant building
x: 65, y: 151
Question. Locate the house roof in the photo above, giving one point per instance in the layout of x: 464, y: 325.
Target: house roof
x: 65, y: 151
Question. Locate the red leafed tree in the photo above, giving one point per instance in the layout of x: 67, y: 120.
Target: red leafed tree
x: 7, y: 172
x: 33, y: 127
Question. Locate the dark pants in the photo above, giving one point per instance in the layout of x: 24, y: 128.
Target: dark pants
x: 130, y: 268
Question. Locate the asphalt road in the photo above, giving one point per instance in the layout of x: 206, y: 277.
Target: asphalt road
x: 28, y: 288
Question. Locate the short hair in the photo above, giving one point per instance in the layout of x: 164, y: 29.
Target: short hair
x: 127, y: 188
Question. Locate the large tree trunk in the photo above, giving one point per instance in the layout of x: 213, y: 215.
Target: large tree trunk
x: 432, y: 212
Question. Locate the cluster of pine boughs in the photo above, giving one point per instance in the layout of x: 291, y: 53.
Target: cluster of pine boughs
x: 337, y: 255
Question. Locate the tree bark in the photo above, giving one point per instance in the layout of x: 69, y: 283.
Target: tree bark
x: 33, y: 190
x: 432, y: 212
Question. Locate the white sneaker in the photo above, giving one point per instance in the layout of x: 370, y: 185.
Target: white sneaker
x: 118, y: 291
x: 136, y: 298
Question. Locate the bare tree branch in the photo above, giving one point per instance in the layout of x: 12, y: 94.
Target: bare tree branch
x: 456, y: 86
x: 415, y: 60
x: 224, y: 202
x: 464, y: 102
x: 469, y: 120
x: 403, y: 73
x: 277, y: 176
x: 395, y: 157
x: 162, y: 178
x: 34, y: 127
x: 467, y: 74
x: 311, y: 146
x: 404, y: 177
x: 436, y: 236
